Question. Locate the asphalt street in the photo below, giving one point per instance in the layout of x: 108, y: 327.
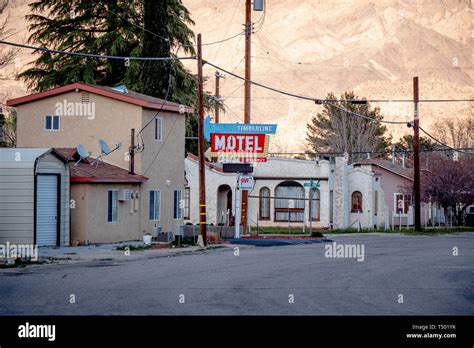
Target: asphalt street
x: 413, y: 275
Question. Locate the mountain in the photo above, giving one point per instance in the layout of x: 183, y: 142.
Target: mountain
x: 314, y: 47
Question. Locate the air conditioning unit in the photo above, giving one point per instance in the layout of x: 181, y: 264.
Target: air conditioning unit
x: 123, y: 195
x: 156, y: 231
x: 165, y: 237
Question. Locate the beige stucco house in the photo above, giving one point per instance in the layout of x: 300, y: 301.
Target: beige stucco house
x: 82, y: 114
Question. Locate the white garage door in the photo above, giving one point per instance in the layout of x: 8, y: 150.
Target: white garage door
x: 46, y: 209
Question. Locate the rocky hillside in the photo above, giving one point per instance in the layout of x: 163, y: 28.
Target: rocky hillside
x: 314, y: 47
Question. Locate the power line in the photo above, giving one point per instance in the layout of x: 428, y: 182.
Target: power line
x: 443, y: 144
x: 92, y: 55
x: 353, y: 66
x: 322, y: 101
x: 388, y: 152
x: 219, y: 41
x: 233, y: 113
x: 179, y: 45
x: 290, y: 94
x: 363, y: 116
x: 374, y: 100
x: 261, y: 21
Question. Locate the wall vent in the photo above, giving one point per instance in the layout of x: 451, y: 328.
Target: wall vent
x: 85, y: 97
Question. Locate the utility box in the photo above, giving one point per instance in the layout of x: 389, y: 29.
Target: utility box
x: 258, y: 5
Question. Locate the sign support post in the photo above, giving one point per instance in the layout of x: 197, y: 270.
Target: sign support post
x: 238, y: 207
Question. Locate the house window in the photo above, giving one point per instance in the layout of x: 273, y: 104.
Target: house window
x: 314, y: 204
x: 51, y: 122
x: 356, y: 200
x: 155, y: 205
x: 187, y: 201
x: 112, y: 207
x: 264, y: 207
x: 402, y: 203
x: 158, y: 129
x: 289, y: 202
x: 178, y: 205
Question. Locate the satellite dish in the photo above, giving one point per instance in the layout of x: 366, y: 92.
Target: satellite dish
x: 104, y: 147
x: 104, y: 151
x: 81, y: 150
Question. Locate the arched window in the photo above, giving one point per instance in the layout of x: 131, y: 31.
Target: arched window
x: 264, y: 209
x: 289, y: 202
x: 356, y: 201
x: 314, y: 204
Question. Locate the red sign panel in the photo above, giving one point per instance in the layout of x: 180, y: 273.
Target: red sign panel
x: 241, y: 143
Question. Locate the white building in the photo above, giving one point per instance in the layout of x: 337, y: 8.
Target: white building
x: 346, y: 195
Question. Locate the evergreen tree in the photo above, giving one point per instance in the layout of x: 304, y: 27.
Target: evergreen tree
x: 335, y: 130
x: 406, y: 144
x: 117, y: 28
x: 106, y: 27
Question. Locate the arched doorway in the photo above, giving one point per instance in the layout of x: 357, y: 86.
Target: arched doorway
x: 224, y: 205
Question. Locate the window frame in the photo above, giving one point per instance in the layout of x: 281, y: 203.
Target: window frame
x: 187, y: 203
x: 156, y: 198
x: 289, y: 211
x: 177, y: 210
x: 110, y: 207
x: 406, y: 207
x: 52, y: 123
x: 260, y: 205
x: 361, y: 209
x: 156, y: 128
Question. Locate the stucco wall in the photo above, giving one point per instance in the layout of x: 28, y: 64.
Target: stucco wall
x: 112, y: 122
x: 90, y: 215
x: 363, y: 181
x: 392, y: 183
x: 163, y: 163
x: 214, y: 179
x: 268, y: 174
x: 160, y: 161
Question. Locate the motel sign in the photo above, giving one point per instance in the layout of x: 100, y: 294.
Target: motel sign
x: 234, y: 142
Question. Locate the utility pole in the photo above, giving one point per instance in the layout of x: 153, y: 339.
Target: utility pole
x: 217, y: 97
x: 247, y: 94
x: 416, y: 154
x: 202, y: 173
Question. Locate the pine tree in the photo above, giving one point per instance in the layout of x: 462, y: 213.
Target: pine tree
x: 335, y: 130
x: 406, y: 144
x: 117, y: 28
x: 106, y: 27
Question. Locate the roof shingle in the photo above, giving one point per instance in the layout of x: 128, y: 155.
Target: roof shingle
x: 101, y: 172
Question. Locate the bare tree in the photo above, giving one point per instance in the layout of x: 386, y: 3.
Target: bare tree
x: 7, y: 55
x: 7, y: 127
x: 456, y: 132
x: 448, y: 182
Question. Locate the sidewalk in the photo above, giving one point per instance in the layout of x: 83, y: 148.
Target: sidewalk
x: 97, y: 252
